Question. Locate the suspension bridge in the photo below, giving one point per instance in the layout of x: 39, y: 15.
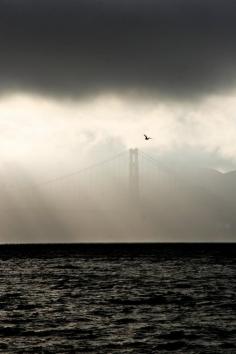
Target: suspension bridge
x: 131, y: 193
x: 128, y: 177
x: 112, y: 199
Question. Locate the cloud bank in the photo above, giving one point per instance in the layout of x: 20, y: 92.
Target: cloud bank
x: 181, y: 49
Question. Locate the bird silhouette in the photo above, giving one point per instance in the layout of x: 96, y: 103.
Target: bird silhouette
x: 147, y: 137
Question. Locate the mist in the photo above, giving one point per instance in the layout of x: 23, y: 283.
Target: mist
x: 53, y: 188
x: 98, y: 204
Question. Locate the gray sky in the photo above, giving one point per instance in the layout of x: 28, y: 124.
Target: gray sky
x: 176, y: 48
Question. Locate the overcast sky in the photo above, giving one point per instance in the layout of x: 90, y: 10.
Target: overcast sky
x: 83, y: 79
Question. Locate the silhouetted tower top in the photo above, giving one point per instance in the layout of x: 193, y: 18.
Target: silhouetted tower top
x: 134, y: 174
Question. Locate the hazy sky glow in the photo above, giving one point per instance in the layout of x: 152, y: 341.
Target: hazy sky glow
x: 37, y: 129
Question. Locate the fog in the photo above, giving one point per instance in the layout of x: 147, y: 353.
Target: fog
x: 99, y: 204
x: 65, y: 169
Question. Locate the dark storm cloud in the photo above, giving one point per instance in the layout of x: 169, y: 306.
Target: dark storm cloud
x: 73, y: 47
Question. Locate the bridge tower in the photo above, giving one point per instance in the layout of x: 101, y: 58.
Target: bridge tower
x: 134, y: 174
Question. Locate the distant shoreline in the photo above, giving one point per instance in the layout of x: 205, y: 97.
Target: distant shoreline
x: 162, y: 251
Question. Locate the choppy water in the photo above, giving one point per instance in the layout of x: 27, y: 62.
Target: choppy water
x: 118, y: 299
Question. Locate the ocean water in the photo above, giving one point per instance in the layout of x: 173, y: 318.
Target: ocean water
x: 105, y: 299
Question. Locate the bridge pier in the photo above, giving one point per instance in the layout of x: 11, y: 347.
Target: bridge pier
x: 134, y: 174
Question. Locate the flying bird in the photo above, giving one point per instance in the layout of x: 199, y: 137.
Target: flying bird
x: 147, y: 137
